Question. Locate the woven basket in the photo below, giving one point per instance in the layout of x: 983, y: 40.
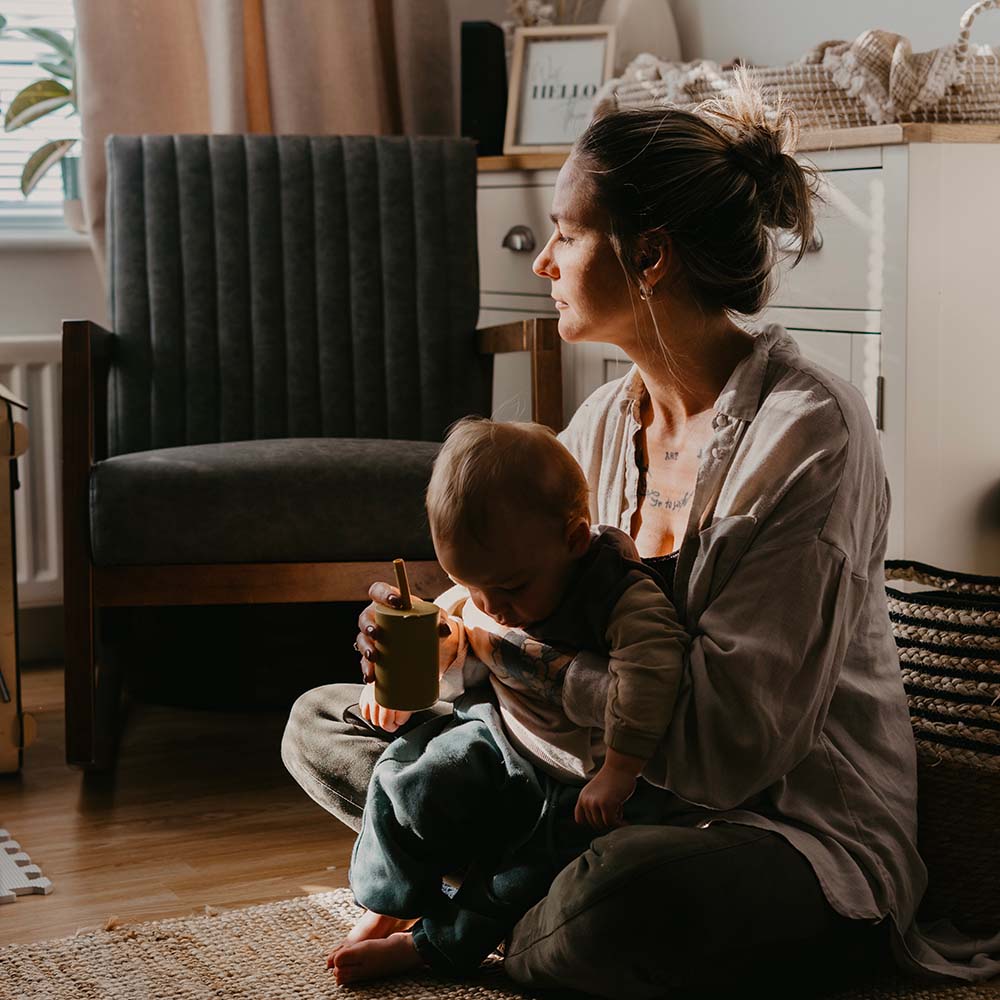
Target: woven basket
x: 948, y: 640
x: 873, y: 80
x: 809, y: 90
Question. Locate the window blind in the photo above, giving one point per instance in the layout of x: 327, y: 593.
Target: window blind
x: 17, y: 69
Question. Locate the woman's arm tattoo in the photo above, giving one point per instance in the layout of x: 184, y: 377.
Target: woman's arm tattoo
x: 527, y: 664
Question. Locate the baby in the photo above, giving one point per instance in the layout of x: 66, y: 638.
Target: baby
x: 483, y: 788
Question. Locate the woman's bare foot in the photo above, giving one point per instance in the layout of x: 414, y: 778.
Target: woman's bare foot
x: 372, y: 925
x: 375, y: 958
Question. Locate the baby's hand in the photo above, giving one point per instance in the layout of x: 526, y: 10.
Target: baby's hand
x: 385, y: 718
x: 602, y: 798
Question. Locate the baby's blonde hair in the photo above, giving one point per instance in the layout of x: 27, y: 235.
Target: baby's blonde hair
x: 485, y: 466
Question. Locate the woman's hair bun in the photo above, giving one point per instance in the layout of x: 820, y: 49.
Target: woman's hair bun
x: 758, y: 152
x: 762, y: 144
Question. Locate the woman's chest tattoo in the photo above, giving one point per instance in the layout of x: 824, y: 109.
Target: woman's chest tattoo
x: 675, y: 456
x: 667, y: 483
x: 669, y: 503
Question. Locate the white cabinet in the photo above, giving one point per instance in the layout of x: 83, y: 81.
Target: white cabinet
x: 898, y: 296
x: 848, y: 243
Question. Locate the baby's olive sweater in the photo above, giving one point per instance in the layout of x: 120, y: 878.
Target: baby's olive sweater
x: 615, y: 606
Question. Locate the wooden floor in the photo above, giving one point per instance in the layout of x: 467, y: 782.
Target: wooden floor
x: 200, y: 812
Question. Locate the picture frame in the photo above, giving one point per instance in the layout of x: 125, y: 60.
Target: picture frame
x: 555, y: 74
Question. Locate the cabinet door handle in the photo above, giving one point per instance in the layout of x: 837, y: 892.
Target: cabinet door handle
x: 789, y: 243
x: 520, y: 239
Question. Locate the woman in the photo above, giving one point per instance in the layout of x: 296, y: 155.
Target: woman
x: 755, y: 478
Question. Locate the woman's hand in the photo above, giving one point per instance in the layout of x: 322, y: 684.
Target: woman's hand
x: 368, y: 636
x: 371, y: 711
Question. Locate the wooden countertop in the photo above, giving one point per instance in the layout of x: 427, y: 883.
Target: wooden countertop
x: 811, y: 139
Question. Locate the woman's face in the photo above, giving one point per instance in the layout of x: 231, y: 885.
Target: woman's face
x: 588, y: 283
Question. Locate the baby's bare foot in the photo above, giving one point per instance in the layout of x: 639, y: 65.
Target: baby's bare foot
x: 376, y: 958
x: 372, y: 925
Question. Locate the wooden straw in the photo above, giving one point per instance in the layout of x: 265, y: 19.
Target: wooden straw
x: 404, y: 585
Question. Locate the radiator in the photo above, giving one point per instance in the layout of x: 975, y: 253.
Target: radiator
x: 31, y: 367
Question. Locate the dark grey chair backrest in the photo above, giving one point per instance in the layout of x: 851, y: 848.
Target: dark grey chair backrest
x: 291, y: 286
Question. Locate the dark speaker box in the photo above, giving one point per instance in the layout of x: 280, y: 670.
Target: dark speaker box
x: 484, y: 86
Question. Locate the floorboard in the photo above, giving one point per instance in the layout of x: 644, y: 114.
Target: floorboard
x: 199, y: 812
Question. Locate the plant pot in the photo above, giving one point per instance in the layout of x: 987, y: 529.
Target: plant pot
x: 72, y: 203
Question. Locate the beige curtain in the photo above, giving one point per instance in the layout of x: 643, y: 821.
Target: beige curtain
x: 314, y: 67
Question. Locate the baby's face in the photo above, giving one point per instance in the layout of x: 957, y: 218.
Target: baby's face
x: 518, y: 575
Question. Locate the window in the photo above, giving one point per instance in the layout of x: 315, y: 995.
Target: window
x: 17, y: 69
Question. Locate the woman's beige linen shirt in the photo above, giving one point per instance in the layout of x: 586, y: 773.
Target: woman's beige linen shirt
x: 791, y: 715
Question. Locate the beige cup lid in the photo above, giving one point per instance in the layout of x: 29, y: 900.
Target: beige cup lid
x: 420, y: 609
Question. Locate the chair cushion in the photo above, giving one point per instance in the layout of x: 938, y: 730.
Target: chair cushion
x: 278, y: 500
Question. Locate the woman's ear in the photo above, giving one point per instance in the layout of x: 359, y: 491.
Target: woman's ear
x: 578, y: 537
x: 654, y: 257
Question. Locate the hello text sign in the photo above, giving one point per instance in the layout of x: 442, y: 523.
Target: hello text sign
x: 555, y: 75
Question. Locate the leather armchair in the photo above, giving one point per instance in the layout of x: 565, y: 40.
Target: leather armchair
x: 294, y: 329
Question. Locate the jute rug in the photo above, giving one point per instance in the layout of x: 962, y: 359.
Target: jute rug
x: 271, y: 952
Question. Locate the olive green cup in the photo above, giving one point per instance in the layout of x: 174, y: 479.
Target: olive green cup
x: 406, y: 671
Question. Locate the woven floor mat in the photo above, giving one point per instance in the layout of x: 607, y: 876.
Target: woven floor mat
x: 898, y: 989
x: 271, y: 952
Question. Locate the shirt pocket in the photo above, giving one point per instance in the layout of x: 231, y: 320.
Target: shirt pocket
x: 720, y: 547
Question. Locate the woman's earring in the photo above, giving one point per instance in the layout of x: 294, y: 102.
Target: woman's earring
x: 645, y: 292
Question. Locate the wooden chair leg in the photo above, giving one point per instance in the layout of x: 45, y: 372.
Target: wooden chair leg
x: 109, y: 696
x: 81, y: 667
x: 94, y: 712
x: 94, y: 706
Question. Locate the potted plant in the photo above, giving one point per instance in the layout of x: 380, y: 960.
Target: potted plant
x: 43, y: 97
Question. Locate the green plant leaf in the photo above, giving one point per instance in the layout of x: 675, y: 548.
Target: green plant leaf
x: 63, y: 69
x: 53, y: 39
x: 37, y: 99
x: 41, y: 160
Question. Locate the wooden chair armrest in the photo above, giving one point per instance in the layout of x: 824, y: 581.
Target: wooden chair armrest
x: 87, y: 352
x: 520, y: 336
x: 540, y: 336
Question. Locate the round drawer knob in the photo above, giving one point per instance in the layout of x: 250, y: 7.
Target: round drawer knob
x: 520, y: 239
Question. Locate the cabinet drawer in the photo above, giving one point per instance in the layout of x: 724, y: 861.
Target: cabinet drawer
x: 500, y: 209
x: 855, y: 357
x: 518, y: 306
x: 845, y: 270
